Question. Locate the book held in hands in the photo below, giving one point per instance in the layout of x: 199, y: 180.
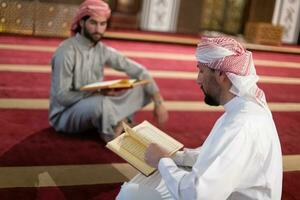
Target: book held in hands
x: 114, y: 84
x: 132, y: 144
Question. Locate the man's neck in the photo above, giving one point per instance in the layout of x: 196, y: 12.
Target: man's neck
x: 227, y: 97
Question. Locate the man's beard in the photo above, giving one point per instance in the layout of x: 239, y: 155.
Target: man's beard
x: 209, y: 99
x: 89, y: 36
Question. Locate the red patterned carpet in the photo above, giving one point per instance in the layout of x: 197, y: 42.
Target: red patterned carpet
x: 27, y: 141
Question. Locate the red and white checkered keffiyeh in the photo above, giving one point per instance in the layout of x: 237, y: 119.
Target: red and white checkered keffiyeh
x: 228, y: 55
x: 90, y: 8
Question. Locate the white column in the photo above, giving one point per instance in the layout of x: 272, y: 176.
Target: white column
x: 160, y: 15
x: 276, y: 13
x: 287, y: 14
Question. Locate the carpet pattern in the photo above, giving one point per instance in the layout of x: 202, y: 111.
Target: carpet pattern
x: 28, y: 141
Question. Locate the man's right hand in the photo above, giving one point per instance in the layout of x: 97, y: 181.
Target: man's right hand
x: 154, y: 153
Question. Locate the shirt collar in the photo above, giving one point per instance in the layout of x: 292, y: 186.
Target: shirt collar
x: 84, y: 41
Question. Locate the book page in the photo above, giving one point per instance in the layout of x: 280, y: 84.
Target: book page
x: 118, y: 83
x: 132, y: 144
x: 151, y: 134
x: 103, y: 83
x: 134, y: 135
x: 132, y: 151
x: 134, y: 147
x: 124, y: 83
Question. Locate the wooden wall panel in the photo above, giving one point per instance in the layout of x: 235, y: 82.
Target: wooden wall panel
x: 260, y: 11
x: 189, y: 16
x: 125, y: 14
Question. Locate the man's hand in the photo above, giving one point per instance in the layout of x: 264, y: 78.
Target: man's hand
x: 154, y: 153
x: 113, y: 92
x: 160, y: 113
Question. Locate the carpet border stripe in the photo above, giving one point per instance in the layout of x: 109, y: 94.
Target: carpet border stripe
x: 182, y: 106
x: 88, y: 174
x: 155, y: 73
x: 153, y: 55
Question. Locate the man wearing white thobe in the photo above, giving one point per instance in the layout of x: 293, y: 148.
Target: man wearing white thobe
x: 241, y: 158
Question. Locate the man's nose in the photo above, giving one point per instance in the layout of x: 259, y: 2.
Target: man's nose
x: 99, y: 28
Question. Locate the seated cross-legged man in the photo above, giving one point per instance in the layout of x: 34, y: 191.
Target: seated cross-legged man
x: 80, y: 60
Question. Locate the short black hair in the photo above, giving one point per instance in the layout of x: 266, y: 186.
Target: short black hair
x: 84, y: 18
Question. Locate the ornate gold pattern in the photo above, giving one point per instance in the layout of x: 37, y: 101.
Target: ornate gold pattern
x: 33, y: 17
x: 225, y: 16
x: 263, y: 33
x: 12, y: 15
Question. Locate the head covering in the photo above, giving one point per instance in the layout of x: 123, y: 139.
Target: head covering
x: 227, y: 55
x: 90, y: 8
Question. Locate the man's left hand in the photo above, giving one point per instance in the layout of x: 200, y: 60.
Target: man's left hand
x: 161, y: 114
x: 154, y: 153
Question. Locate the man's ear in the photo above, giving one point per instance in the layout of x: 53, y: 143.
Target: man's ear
x: 81, y: 23
x: 220, y: 76
x: 225, y: 81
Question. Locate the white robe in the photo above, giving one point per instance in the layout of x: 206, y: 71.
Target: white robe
x: 240, y: 159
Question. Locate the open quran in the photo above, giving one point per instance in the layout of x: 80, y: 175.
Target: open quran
x: 114, y: 84
x: 132, y: 144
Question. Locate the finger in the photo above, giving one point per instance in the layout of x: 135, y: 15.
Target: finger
x: 146, y: 156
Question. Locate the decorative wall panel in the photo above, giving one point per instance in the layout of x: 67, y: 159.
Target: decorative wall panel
x: 160, y: 15
x: 263, y: 33
x: 287, y: 14
x: 17, y: 16
x: 212, y: 15
x: 234, y: 14
x: 224, y: 16
x: 54, y: 19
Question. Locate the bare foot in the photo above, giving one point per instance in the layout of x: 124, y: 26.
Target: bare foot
x: 106, y: 138
x: 119, y: 128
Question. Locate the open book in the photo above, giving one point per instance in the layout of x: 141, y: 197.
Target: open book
x: 114, y: 84
x: 132, y: 145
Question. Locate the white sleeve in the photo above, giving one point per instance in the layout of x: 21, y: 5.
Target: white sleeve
x: 187, y: 157
x: 211, y: 178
